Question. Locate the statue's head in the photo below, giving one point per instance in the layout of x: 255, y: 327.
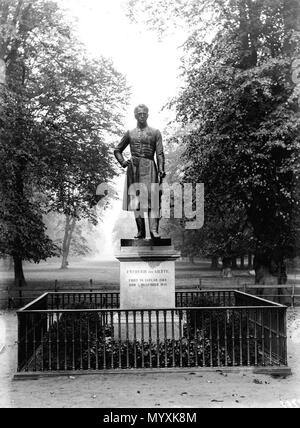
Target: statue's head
x: 141, y: 113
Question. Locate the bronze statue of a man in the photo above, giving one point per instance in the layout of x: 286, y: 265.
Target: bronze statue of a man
x: 144, y: 142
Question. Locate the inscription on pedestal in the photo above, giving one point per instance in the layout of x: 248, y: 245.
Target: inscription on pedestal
x: 147, y: 285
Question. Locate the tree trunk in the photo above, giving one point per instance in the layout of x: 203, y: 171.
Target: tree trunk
x: 233, y: 263
x: 19, y: 273
x: 69, y: 229
x: 269, y: 271
x: 64, y: 262
x: 250, y: 265
x: 10, y: 263
x: 282, y: 277
x: 242, y: 262
x: 243, y: 35
x: 191, y: 259
x: 248, y: 33
x: 226, y: 268
x: 214, y: 263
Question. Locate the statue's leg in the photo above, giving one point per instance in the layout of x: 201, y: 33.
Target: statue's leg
x: 140, y: 222
x: 153, y: 226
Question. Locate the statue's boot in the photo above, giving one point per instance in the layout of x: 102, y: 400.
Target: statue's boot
x: 140, y: 222
x: 153, y: 226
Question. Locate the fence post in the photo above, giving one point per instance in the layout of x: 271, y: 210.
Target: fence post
x: 250, y: 264
x: 55, y: 286
x: 242, y: 265
x: 91, y: 285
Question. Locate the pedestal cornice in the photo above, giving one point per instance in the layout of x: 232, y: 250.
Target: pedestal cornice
x: 147, y: 250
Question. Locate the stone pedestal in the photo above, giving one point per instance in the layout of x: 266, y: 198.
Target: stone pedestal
x: 147, y: 274
x: 147, y: 281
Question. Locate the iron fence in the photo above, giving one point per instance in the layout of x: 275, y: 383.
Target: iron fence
x: 88, y: 331
x: 288, y: 294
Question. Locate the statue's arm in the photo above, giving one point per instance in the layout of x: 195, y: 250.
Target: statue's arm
x: 118, y: 152
x: 160, y: 156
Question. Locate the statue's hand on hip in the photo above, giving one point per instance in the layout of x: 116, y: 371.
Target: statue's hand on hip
x: 125, y: 164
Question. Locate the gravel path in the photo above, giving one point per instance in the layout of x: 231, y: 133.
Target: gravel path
x: 173, y: 390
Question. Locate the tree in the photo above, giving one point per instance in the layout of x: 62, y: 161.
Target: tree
x: 59, y: 109
x: 82, y: 242
x: 166, y: 16
x: 249, y: 127
x: 242, y: 106
x: 226, y: 233
x: 22, y: 231
x: 73, y: 240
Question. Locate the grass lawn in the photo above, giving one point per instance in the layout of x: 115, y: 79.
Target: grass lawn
x: 105, y: 275
x: 101, y: 272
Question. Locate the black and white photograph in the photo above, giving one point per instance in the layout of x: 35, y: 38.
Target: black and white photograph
x: 149, y: 207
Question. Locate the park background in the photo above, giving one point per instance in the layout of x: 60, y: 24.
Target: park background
x: 221, y: 78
